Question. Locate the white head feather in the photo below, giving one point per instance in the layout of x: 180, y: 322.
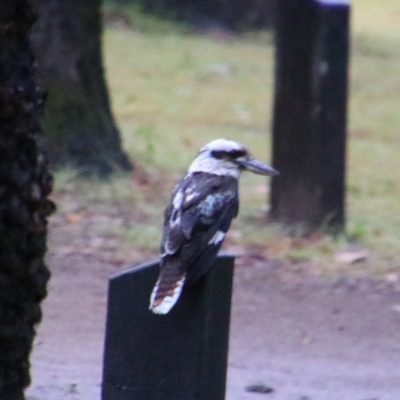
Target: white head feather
x: 205, y: 162
x: 228, y: 158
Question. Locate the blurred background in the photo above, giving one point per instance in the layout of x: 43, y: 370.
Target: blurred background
x: 176, y: 83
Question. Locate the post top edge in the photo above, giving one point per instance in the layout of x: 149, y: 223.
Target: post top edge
x: 334, y: 2
x: 134, y: 269
x: 155, y: 263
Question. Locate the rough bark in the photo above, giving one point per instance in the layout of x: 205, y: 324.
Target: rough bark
x: 80, y: 129
x: 24, y: 185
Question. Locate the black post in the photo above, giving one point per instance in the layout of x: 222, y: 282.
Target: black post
x: 179, y: 356
x: 309, y: 126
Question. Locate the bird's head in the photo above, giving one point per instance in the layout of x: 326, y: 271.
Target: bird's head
x: 226, y: 157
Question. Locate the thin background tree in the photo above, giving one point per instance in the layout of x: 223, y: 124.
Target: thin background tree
x: 79, y: 126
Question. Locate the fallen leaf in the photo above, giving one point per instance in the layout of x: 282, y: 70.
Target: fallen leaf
x: 392, y: 277
x: 351, y: 257
x: 306, y: 341
x: 73, y: 217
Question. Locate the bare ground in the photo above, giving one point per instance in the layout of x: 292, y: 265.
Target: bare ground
x: 304, y: 338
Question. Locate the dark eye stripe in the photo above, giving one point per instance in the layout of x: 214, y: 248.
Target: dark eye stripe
x: 233, y: 154
x: 218, y: 154
x: 237, y: 153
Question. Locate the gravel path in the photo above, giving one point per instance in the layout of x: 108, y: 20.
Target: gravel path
x: 305, y: 340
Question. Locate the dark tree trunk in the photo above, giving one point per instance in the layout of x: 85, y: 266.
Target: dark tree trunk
x: 24, y: 207
x: 80, y: 127
x: 309, y: 126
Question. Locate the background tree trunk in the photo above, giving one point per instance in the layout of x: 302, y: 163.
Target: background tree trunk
x: 24, y: 207
x: 309, y: 124
x: 80, y: 128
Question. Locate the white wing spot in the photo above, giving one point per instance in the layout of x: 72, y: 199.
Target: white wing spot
x: 178, y: 199
x: 218, y: 237
x: 190, y: 196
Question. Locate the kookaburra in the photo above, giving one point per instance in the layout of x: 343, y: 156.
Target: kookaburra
x: 198, y: 216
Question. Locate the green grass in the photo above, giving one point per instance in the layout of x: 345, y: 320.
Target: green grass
x: 373, y: 183
x: 173, y: 91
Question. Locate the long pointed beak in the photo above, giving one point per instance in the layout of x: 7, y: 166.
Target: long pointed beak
x: 256, y: 166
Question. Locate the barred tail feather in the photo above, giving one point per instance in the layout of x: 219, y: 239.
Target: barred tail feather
x: 166, y: 293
